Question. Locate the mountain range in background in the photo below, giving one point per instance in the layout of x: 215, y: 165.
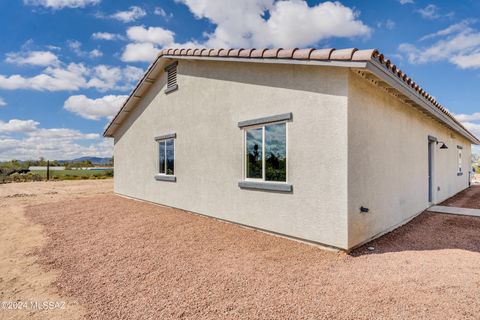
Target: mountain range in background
x: 93, y: 160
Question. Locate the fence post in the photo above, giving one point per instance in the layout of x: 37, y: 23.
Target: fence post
x: 48, y: 170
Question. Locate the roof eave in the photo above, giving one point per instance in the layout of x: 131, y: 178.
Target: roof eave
x: 110, y: 130
x: 378, y: 70
x: 373, y: 63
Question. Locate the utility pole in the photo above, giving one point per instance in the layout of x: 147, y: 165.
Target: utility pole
x: 48, y: 170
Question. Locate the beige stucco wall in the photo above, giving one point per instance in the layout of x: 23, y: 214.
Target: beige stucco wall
x: 388, y: 161
x: 212, y: 98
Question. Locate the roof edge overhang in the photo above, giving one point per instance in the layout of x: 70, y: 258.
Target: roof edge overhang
x: 373, y: 66
x: 398, y: 84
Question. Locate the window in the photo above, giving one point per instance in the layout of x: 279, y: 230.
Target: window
x: 166, y: 157
x: 266, y: 152
x: 171, y: 71
x: 459, y: 160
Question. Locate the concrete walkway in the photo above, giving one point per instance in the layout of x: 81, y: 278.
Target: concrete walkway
x: 455, y: 210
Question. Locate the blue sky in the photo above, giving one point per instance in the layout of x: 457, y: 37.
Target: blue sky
x: 67, y: 65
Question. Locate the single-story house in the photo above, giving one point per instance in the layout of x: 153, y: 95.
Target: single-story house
x: 334, y: 147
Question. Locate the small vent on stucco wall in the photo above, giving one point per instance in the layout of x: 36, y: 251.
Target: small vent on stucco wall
x: 171, y: 71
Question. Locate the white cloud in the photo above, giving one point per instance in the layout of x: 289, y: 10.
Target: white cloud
x: 2, y: 102
x: 52, y: 79
x: 29, y: 148
x: 95, y: 53
x: 107, y: 36
x: 53, y: 48
x: 105, y: 77
x: 290, y: 23
x: 387, y: 24
x: 429, y: 12
x: 95, y: 109
x: 458, y: 44
x: 468, y: 117
x: 42, y: 134
x: 405, y: 1
x: 159, y: 11
x: 74, y: 77
x: 139, y: 52
x: 432, y: 12
x: 473, y: 128
x: 134, y: 13
x: 146, y: 43
x: 454, y: 28
x: 76, y: 47
x: 16, y: 125
x: 132, y: 74
x: 34, y: 58
x: 24, y: 139
x: 60, y: 4
x: 52, y: 143
x: 154, y: 35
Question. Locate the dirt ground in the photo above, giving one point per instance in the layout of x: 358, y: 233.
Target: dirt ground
x: 22, y: 278
x: 469, y: 198
x: 109, y: 257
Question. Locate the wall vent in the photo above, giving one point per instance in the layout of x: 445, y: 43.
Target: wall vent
x: 171, y: 71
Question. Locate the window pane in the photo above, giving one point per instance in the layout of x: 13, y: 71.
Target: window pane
x: 254, y: 153
x: 459, y: 160
x: 170, y: 157
x: 276, y: 152
x: 161, y: 146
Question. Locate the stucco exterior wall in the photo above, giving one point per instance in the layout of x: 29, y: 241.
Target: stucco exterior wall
x: 388, y: 161
x: 212, y: 98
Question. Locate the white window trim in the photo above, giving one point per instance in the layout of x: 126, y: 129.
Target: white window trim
x: 459, y: 160
x: 164, y: 141
x: 262, y: 180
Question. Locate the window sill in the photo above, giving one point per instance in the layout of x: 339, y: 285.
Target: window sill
x: 268, y: 186
x: 163, y: 177
x: 459, y: 174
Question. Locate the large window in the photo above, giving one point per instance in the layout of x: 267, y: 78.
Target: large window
x: 266, y: 152
x: 166, y: 156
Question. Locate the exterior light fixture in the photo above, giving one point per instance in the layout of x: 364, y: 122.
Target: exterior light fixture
x: 443, y: 146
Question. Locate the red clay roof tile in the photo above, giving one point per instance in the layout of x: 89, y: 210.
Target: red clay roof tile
x: 321, y: 54
x: 302, y: 54
x: 271, y: 53
x: 344, y: 54
x: 286, y: 53
x: 245, y: 53
x: 234, y: 52
x: 364, y: 55
x: 257, y: 53
x: 351, y: 54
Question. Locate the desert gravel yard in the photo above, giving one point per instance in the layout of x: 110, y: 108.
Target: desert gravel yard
x: 114, y: 258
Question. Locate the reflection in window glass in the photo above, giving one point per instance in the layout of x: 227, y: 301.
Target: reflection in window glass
x: 276, y: 152
x: 161, y: 146
x: 166, y: 156
x: 254, y: 153
x: 170, y: 156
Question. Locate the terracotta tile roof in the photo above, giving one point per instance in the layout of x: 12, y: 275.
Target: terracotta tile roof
x: 339, y: 56
x: 330, y: 54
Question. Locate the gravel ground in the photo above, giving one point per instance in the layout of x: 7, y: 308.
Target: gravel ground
x: 21, y: 278
x: 468, y: 198
x: 124, y: 259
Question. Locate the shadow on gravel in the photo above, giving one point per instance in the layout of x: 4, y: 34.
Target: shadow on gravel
x: 428, y: 231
